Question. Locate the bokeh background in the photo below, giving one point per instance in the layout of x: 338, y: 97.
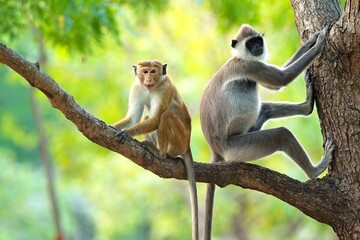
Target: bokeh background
x: 88, y: 47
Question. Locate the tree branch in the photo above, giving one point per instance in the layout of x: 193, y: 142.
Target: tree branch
x: 311, y: 197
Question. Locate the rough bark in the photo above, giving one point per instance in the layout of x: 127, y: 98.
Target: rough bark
x: 338, y: 97
x: 334, y: 199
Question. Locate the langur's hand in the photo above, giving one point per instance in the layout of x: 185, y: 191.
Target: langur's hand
x: 321, y: 40
x: 311, y: 41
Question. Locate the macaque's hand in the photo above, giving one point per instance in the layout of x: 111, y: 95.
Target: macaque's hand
x: 123, y: 136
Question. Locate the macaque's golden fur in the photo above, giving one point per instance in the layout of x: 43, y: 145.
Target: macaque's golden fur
x: 167, y: 114
x: 167, y: 124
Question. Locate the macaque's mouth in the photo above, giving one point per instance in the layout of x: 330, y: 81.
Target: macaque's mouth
x: 149, y: 84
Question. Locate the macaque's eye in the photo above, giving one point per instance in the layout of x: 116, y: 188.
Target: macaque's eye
x: 153, y: 71
x: 145, y: 71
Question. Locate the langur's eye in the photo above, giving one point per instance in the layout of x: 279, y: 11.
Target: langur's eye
x: 153, y: 71
x: 145, y: 71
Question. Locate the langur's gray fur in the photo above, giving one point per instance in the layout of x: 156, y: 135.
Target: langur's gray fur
x: 232, y: 113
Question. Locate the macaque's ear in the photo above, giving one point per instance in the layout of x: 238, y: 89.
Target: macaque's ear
x: 135, y: 69
x: 233, y: 43
x: 164, y: 69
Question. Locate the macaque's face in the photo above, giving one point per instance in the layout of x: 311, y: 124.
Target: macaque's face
x: 149, y: 76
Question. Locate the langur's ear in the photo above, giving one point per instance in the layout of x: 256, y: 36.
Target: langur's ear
x: 164, y: 69
x: 135, y: 69
x: 233, y: 43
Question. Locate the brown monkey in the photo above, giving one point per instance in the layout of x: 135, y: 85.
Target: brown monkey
x: 232, y: 113
x: 168, y: 124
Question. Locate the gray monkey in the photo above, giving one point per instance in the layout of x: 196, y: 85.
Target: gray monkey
x: 232, y: 113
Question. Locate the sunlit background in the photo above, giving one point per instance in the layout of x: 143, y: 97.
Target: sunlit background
x: 89, y: 47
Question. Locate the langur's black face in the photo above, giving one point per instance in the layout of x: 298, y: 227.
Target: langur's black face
x: 255, y: 45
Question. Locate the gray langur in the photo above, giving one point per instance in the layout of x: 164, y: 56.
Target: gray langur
x: 232, y: 113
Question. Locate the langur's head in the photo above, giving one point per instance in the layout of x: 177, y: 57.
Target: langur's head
x: 150, y: 73
x: 248, y: 44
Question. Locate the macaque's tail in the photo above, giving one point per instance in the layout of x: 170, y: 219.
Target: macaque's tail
x: 193, y: 193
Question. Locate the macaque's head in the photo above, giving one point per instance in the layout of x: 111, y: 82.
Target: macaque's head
x: 150, y: 73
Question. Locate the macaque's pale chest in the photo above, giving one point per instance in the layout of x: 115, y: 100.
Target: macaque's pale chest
x: 152, y: 101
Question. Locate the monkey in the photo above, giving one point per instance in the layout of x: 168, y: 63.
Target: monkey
x: 168, y: 123
x: 232, y: 114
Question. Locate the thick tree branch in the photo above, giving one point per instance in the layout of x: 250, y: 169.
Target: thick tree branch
x: 313, y: 197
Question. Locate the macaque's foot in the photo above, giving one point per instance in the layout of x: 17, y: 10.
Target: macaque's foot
x: 151, y: 147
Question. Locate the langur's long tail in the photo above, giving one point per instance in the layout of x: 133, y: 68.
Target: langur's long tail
x: 209, y: 205
x: 209, y: 201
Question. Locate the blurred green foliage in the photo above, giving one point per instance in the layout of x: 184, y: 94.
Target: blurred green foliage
x: 91, y: 46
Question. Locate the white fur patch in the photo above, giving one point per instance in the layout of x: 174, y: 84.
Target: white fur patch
x: 241, y: 52
x: 155, y: 100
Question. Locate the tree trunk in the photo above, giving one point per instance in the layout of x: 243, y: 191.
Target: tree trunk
x: 334, y: 199
x: 337, y: 87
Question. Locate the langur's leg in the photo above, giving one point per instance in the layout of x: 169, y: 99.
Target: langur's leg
x: 255, y: 145
x: 278, y: 110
